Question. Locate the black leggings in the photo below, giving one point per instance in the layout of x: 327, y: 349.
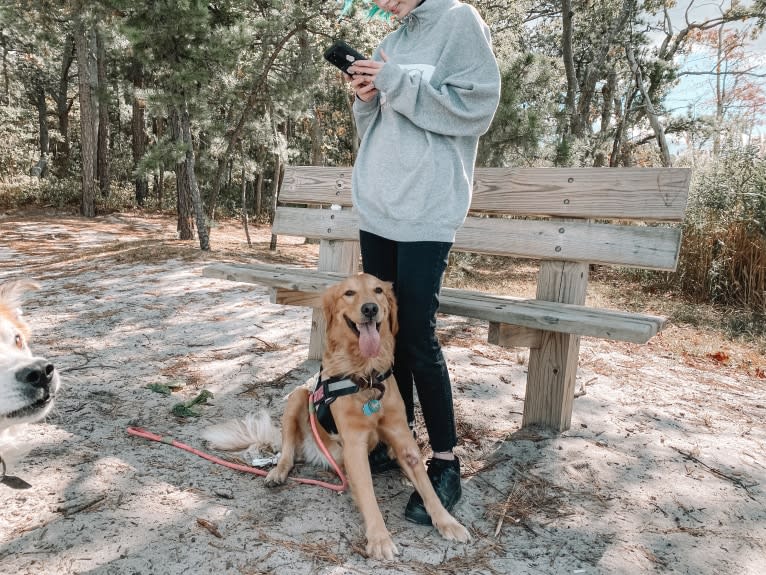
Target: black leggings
x: 416, y: 270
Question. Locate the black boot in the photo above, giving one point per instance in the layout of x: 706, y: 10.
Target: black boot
x: 445, y: 477
x: 379, y: 459
x: 380, y: 462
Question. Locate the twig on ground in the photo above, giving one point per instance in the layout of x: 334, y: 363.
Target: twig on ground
x: 502, y: 514
x: 718, y: 473
x: 77, y: 505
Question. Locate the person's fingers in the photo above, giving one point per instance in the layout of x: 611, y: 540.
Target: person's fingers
x: 366, y: 92
x: 365, y: 67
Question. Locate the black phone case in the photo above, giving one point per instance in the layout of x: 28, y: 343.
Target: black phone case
x: 342, y: 55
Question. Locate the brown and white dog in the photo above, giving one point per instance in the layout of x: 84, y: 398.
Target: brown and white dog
x: 361, y: 321
x: 28, y: 383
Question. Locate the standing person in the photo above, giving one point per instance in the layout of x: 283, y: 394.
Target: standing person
x: 422, y: 101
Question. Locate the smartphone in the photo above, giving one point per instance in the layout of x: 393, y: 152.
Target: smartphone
x: 342, y: 55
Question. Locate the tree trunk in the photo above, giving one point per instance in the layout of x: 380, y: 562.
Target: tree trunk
x: 199, y: 212
x: 87, y: 119
x: 158, y: 128
x: 259, y: 195
x: 317, y: 155
x: 102, y: 163
x: 720, y: 94
x: 64, y: 104
x: 6, y: 78
x: 654, y: 120
x: 278, y: 172
x: 567, y: 53
x: 42, y: 120
x: 183, y: 193
x: 595, y: 70
x: 138, y: 132
x: 37, y: 97
x: 244, y: 209
x: 116, y: 111
x: 158, y: 179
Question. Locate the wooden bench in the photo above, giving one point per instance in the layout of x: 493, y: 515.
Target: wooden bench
x: 567, y: 218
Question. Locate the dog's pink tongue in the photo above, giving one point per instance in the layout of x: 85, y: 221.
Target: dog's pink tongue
x: 369, y: 339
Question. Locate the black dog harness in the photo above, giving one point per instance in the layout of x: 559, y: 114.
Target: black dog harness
x: 328, y: 390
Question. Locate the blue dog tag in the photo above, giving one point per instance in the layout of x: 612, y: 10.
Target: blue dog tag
x: 372, y: 406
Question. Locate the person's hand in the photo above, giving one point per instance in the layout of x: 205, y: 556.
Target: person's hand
x: 362, y: 74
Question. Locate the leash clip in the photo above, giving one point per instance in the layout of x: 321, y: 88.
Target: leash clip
x: 265, y: 461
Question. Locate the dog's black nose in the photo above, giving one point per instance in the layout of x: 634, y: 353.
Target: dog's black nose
x: 36, y: 374
x: 369, y: 310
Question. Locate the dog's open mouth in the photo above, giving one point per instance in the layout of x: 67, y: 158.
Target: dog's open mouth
x: 32, y: 409
x: 369, y: 338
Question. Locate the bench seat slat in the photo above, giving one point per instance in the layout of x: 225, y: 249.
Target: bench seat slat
x: 530, y: 313
x: 646, y: 247
x: 647, y: 194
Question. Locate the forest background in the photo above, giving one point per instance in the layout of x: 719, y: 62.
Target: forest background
x: 195, y: 108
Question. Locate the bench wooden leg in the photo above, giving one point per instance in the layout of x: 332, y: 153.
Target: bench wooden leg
x: 334, y: 256
x: 553, y: 366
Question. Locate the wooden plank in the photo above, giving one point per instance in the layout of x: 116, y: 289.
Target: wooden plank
x: 506, y: 335
x: 533, y: 314
x: 553, y: 366
x: 316, y: 223
x: 648, y: 194
x: 649, y: 247
x: 316, y: 184
x: 656, y: 194
x: 290, y: 278
x: 297, y: 298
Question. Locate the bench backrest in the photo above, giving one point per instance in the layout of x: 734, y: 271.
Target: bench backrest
x: 613, y: 216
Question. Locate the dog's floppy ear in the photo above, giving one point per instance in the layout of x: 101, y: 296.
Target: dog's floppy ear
x: 329, y: 299
x: 12, y: 293
x: 393, y: 308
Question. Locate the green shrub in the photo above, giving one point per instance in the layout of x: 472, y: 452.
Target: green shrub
x: 723, y: 257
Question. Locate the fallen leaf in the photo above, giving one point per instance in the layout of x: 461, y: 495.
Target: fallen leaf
x: 209, y: 526
x: 719, y: 356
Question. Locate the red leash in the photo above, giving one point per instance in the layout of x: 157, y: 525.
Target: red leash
x: 139, y: 432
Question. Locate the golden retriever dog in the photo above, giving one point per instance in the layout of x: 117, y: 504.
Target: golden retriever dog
x: 361, y: 320
x: 28, y: 383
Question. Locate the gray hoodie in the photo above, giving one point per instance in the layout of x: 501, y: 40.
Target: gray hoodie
x: 437, y: 94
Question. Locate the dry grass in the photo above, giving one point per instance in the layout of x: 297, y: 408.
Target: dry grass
x: 727, y: 265
x: 528, y: 496
x: 476, y: 562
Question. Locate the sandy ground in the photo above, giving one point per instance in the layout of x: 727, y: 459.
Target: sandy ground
x: 662, y: 471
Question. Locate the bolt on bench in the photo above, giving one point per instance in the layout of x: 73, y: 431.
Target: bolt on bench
x: 568, y: 218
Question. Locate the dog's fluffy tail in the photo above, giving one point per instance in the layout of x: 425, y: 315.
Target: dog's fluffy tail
x: 256, y: 430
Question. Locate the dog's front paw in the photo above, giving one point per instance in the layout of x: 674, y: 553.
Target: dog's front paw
x: 381, y: 546
x: 449, y: 528
x: 276, y: 477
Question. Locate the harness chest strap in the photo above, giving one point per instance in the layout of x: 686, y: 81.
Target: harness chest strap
x: 330, y: 389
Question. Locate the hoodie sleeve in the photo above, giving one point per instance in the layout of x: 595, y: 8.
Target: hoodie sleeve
x: 465, y: 96
x: 364, y: 114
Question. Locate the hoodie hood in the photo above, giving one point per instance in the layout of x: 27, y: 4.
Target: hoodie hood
x: 427, y: 12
